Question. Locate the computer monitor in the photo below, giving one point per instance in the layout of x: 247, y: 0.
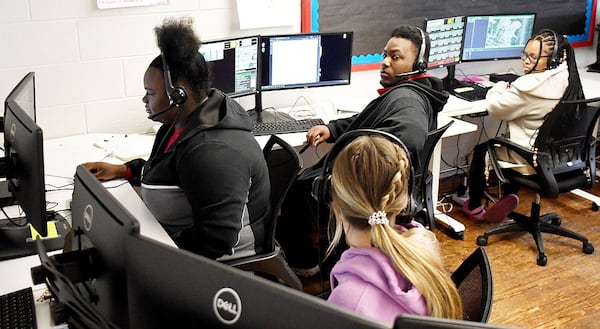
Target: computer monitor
x: 411, y: 321
x: 100, y: 223
x: 233, y: 64
x: 446, y: 35
x: 23, y: 168
x: 305, y: 60
x: 174, y: 288
x: 499, y: 36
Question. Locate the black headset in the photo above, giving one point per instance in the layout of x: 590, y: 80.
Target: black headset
x: 177, y: 95
x: 420, y: 64
x: 555, y: 58
x: 321, y: 185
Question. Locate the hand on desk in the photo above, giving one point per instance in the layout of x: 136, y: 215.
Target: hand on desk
x: 317, y: 134
x: 106, y: 171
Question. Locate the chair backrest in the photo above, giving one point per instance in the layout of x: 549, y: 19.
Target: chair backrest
x: 566, y: 142
x: 284, y: 164
x: 567, y: 133
x: 421, y: 193
x: 473, y: 279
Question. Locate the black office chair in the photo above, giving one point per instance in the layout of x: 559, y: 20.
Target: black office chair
x: 284, y: 164
x: 563, y: 159
x: 473, y: 279
x: 423, y: 202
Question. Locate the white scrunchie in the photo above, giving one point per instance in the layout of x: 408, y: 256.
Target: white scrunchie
x: 378, y: 217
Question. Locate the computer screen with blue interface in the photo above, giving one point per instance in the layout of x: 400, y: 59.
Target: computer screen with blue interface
x: 492, y: 37
x: 233, y: 64
x: 446, y: 35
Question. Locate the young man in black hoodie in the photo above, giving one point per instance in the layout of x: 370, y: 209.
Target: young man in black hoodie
x: 407, y: 108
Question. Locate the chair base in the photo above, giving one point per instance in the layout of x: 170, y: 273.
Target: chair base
x: 536, y: 225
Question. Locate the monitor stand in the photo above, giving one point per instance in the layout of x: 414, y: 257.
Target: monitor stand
x: 449, y: 82
x: 258, y: 115
x: 16, y: 241
x: 6, y: 197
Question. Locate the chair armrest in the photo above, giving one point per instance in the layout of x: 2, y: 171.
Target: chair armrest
x: 495, y: 144
x: 539, y: 161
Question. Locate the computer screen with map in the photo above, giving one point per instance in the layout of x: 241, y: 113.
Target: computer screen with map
x: 493, y: 37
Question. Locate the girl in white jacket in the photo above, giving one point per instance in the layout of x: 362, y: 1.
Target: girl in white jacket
x: 550, y: 75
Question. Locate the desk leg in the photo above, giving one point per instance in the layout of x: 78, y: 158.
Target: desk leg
x: 449, y: 225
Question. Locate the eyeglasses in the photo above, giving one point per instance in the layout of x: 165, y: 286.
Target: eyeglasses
x: 532, y: 59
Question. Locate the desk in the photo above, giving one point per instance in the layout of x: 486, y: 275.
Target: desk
x: 61, y: 157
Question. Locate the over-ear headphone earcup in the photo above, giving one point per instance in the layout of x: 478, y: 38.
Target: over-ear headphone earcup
x: 421, y: 66
x: 320, y: 188
x: 178, y: 96
x: 421, y: 63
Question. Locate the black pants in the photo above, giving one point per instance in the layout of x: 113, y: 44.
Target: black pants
x: 477, y: 183
x: 299, y: 215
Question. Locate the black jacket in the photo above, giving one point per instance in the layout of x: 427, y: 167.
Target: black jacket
x: 407, y: 110
x: 210, y: 190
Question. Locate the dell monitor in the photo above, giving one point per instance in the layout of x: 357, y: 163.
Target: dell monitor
x: 100, y: 223
x: 89, y: 278
x: 446, y: 35
x: 412, y: 321
x: 174, y: 288
x: 305, y: 60
x: 23, y: 168
x: 494, y: 37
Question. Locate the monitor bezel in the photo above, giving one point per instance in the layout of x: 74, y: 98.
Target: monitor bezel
x: 215, y: 295
x: 264, y: 72
x: 413, y: 321
x: 430, y: 65
x: 25, y: 174
x: 100, y: 222
x: 495, y: 58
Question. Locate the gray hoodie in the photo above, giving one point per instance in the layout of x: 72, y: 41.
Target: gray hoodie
x: 524, y: 103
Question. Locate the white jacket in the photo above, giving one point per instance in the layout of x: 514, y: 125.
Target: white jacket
x: 524, y: 103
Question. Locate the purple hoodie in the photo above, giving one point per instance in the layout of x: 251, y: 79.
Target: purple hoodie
x: 365, y: 280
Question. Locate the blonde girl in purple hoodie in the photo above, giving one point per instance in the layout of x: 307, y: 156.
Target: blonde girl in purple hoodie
x: 390, y: 268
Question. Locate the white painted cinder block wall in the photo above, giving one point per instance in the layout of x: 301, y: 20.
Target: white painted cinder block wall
x: 89, y: 62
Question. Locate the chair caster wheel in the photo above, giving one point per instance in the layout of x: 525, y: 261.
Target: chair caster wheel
x: 482, y: 240
x: 595, y: 206
x: 588, y: 248
x: 556, y: 221
x: 542, y: 260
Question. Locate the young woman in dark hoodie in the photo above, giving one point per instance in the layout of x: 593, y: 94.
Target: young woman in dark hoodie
x: 206, y: 180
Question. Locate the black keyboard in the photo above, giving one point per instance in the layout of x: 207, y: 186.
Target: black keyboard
x: 508, y: 77
x: 470, y: 91
x: 17, y: 309
x: 284, y: 127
